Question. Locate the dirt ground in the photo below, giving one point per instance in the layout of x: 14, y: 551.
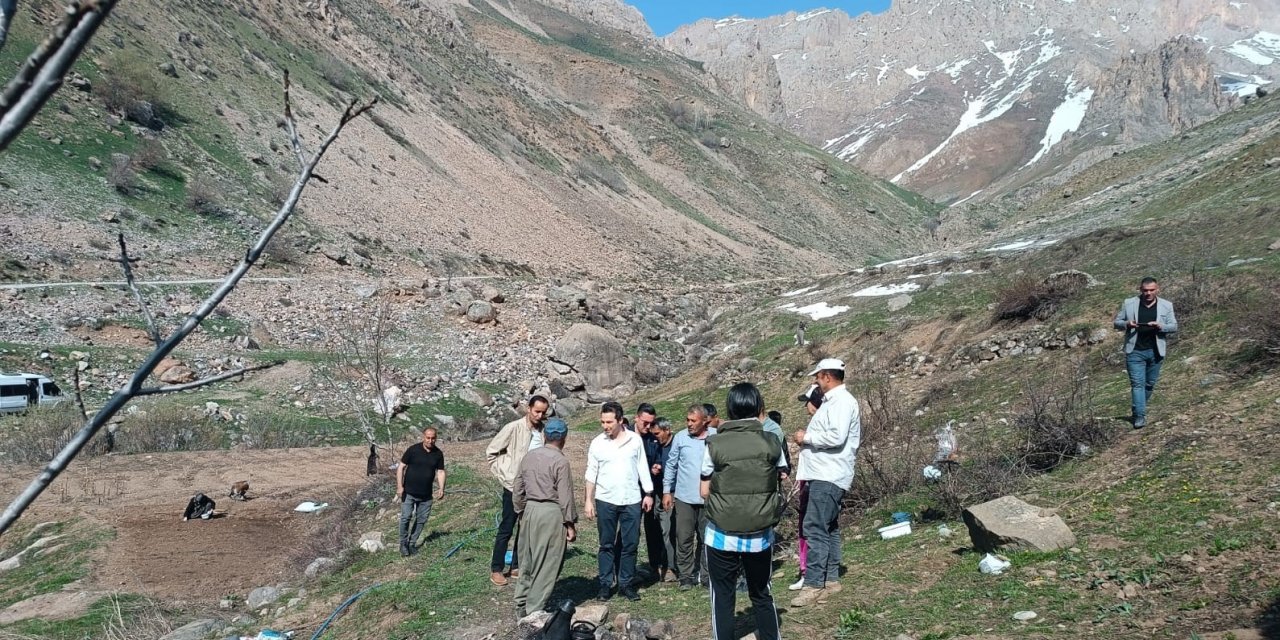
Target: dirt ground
x: 141, y: 497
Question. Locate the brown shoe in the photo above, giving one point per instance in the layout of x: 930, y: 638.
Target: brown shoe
x: 807, y: 596
x: 497, y: 578
x: 515, y: 573
x: 669, y: 576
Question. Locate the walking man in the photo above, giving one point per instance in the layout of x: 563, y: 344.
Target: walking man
x: 741, y: 484
x: 618, y: 491
x: 1146, y: 320
x: 420, y: 466
x: 681, y: 492
x: 504, y: 454
x: 828, y: 447
x: 543, y: 496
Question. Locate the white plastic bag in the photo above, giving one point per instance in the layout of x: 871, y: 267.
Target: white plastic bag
x: 993, y: 565
x: 946, y: 437
x: 310, y: 507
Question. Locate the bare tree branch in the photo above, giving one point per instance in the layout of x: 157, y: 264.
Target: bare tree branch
x: 42, y: 73
x: 125, y: 264
x: 7, y: 9
x: 291, y: 126
x: 134, y: 386
x: 170, y: 388
x: 79, y: 395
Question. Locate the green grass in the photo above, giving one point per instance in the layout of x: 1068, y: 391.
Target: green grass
x: 107, y: 612
x: 53, y: 571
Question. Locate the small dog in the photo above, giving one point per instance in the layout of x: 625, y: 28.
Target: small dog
x: 200, y: 506
x: 371, y: 467
x: 239, y: 490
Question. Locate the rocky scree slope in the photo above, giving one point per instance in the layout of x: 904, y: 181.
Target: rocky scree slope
x: 968, y: 99
x: 511, y: 138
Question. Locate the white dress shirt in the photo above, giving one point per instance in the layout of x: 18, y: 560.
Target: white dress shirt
x: 619, y: 468
x: 831, y: 440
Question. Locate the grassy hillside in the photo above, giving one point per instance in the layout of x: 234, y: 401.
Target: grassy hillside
x: 493, y: 116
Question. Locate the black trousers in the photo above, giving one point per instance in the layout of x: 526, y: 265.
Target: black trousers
x: 724, y: 568
x: 506, y: 531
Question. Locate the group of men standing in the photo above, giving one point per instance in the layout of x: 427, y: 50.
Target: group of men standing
x: 707, y: 497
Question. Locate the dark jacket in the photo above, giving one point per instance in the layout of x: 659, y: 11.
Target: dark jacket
x: 744, y: 486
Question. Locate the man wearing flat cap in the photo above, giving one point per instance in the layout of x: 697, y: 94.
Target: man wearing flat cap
x: 543, y: 496
x: 828, y: 446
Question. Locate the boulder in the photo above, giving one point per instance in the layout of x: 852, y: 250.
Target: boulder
x: 593, y: 613
x: 320, y: 567
x: 478, y: 397
x: 647, y: 372
x: 197, y: 630
x: 491, y: 293
x: 1274, y: 246
x: 481, y: 312
x: 567, y: 296
x: 371, y: 542
x: 261, y: 597
x: 600, y: 358
x: 532, y: 623
x: 180, y: 374
x: 898, y: 303
x: 1008, y: 523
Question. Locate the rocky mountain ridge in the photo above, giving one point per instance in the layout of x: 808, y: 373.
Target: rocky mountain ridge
x: 965, y: 99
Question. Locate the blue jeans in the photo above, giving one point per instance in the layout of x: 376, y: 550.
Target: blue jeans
x: 619, y: 528
x: 1144, y: 371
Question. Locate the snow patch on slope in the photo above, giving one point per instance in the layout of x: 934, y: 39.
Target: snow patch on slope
x: 1262, y: 49
x: 1066, y: 118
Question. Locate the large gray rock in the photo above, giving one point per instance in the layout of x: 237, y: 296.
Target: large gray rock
x: 481, y: 312
x: 601, y: 360
x: 261, y: 597
x: 595, y: 613
x: 1008, y: 523
x: 478, y: 397
x: 197, y: 630
x: 320, y: 567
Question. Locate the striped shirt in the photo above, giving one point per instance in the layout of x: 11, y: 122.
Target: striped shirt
x: 742, y: 543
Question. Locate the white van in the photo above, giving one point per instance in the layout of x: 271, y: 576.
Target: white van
x: 23, y: 390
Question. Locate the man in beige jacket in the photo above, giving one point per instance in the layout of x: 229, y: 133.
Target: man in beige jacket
x: 504, y: 454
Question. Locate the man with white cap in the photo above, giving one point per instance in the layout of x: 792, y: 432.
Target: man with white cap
x: 828, y: 447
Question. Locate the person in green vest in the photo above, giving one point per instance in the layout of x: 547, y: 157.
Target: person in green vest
x: 740, y: 483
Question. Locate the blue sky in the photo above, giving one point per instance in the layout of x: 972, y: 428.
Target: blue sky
x: 665, y: 15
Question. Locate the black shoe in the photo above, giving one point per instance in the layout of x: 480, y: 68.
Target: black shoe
x: 604, y: 594
x: 631, y: 594
x: 687, y: 584
x: 520, y: 614
x: 404, y: 550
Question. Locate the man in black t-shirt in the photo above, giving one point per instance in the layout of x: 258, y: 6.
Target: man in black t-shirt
x: 1148, y: 321
x: 420, y: 465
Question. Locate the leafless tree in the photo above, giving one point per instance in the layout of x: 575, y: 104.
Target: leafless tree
x: 360, y: 376
x: 134, y: 388
x: 44, y: 70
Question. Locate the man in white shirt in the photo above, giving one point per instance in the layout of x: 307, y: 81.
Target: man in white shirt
x: 618, y: 490
x: 828, y: 447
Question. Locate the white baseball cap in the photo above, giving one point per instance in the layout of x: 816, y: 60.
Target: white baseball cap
x: 828, y: 363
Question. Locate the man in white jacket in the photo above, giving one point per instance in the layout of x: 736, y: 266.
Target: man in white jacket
x: 828, y: 447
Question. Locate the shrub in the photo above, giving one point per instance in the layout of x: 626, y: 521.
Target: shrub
x: 1057, y: 421
x: 274, y: 431
x: 336, y: 72
x: 285, y: 249
x: 595, y: 168
x: 35, y: 436
x: 893, y: 448
x: 121, y: 174
x: 1260, y: 327
x: 1028, y: 298
x: 690, y: 117
x: 709, y: 139
x: 167, y: 427
x: 203, y: 197
x: 149, y: 155
x: 127, y: 79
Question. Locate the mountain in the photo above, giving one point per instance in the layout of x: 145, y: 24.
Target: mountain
x: 511, y: 137
x: 956, y: 98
